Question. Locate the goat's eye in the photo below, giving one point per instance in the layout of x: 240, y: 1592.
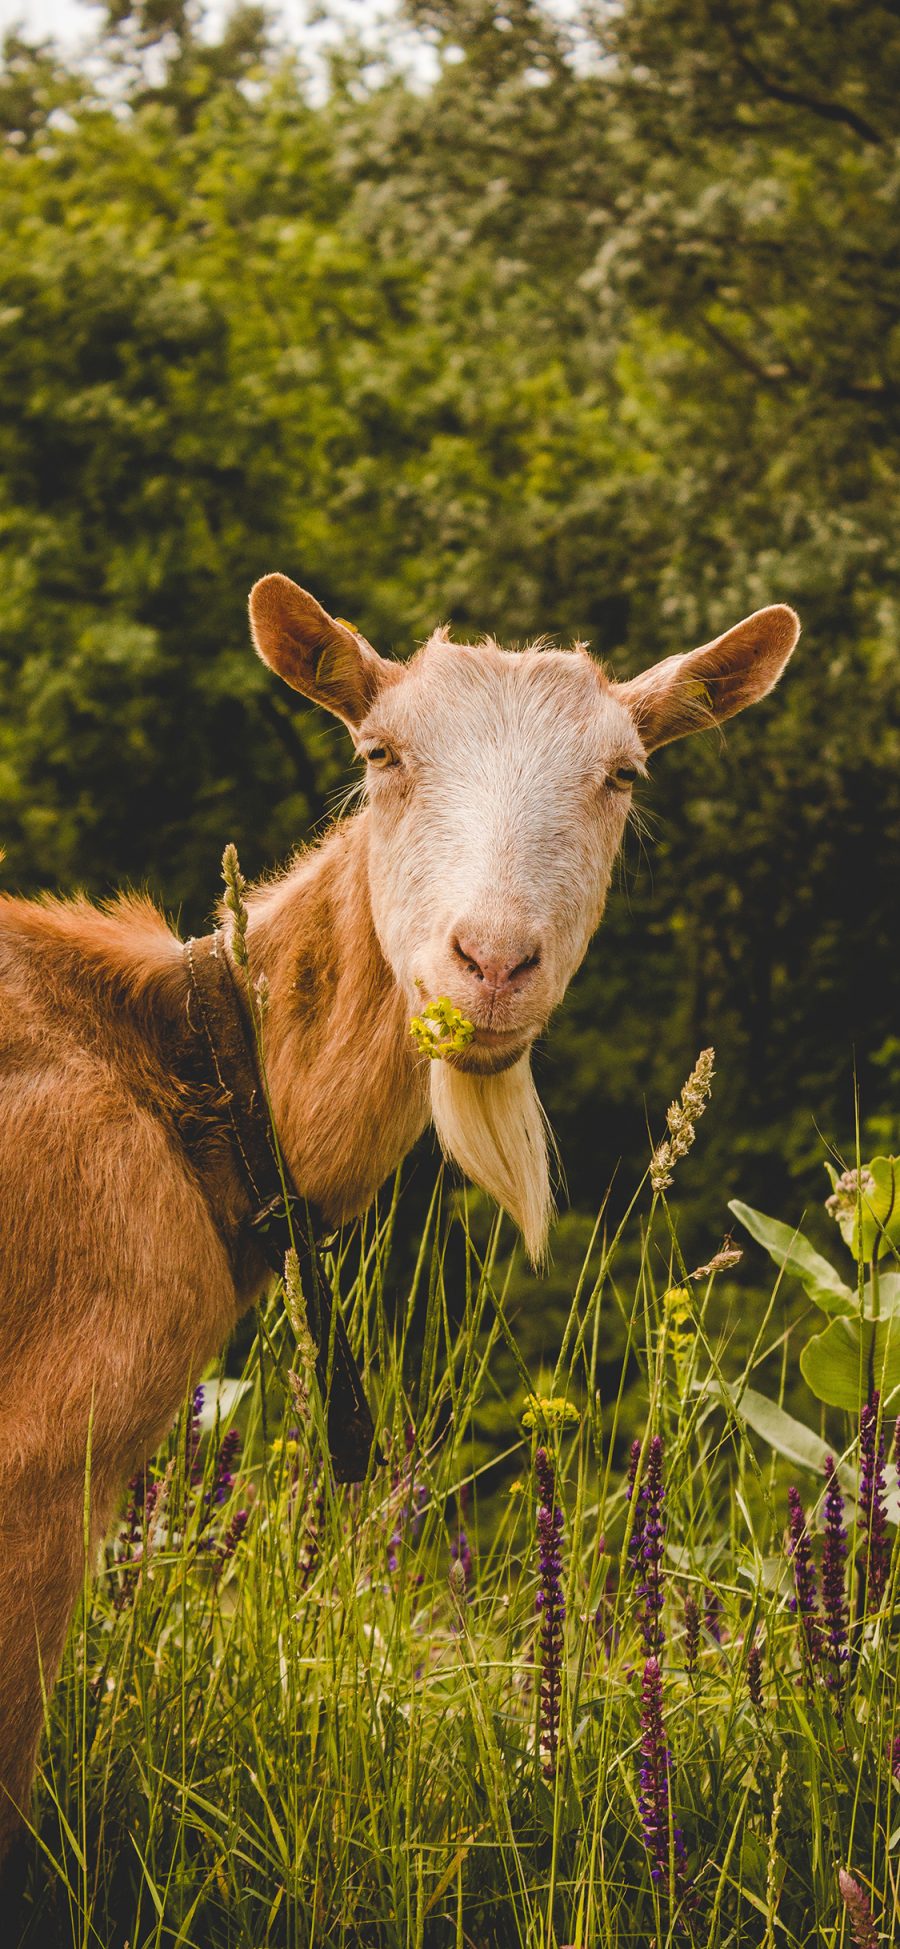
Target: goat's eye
x: 381, y: 756
x: 623, y: 777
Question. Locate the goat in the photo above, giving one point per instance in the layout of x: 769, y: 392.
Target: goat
x: 497, y: 789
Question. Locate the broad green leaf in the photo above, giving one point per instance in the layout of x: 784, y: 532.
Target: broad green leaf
x: 784, y: 1432
x: 880, y: 1211
x: 769, y: 1571
x: 791, y: 1251
x: 888, y: 1295
x: 851, y: 1356
x: 754, y: 1863
x: 687, y: 1561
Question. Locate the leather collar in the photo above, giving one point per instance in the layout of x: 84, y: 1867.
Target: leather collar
x: 278, y: 1216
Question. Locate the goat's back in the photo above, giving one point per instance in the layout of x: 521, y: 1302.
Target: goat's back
x: 115, y: 1277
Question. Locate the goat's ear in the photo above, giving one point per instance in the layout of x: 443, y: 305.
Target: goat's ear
x: 688, y: 693
x: 314, y: 653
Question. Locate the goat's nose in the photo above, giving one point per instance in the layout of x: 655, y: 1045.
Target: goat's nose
x: 501, y: 969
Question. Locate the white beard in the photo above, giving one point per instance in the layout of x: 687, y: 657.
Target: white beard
x: 495, y: 1129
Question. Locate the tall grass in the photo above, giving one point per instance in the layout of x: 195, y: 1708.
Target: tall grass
x: 293, y: 1714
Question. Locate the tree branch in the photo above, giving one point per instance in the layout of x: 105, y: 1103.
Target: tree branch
x: 828, y: 111
x: 765, y: 375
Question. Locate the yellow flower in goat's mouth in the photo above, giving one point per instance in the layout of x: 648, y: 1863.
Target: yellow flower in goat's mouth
x: 441, y: 1030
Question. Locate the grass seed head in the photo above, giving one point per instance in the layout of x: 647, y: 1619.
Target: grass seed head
x: 682, y: 1118
x: 235, y: 891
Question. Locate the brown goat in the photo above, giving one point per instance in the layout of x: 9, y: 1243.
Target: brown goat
x: 498, y: 787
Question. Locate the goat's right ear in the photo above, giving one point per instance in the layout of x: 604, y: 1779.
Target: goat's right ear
x: 311, y: 651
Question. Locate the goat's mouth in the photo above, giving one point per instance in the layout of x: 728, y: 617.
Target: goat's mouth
x: 490, y: 1051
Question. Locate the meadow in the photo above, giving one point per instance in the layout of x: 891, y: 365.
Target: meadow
x: 538, y: 1680
x: 577, y: 321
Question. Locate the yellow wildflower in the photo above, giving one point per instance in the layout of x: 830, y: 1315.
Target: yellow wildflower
x: 441, y: 1030
x: 549, y: 1411
x: 677, y: 1305
x: 287, y: 1445
x: 678, y: 1327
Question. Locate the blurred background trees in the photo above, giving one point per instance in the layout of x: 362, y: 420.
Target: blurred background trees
x: 595, y: 330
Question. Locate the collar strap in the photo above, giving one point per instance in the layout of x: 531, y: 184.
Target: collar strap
x: 278, y: 1217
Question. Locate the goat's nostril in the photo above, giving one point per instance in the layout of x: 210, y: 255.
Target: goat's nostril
x: 497, y: 969
x: 469, y: 962
x: 524, y: 967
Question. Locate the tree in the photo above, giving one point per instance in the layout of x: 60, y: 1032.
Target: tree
x: 596, y: 335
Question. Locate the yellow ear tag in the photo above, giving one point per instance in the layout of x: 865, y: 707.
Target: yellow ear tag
x: 441, y: 1030
x: 343, y: 624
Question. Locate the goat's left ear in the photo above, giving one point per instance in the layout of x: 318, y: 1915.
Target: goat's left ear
x: 688, y: 693
x: 313, y: 652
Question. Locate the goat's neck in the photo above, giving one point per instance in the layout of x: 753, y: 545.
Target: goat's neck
x: 348, y: 1095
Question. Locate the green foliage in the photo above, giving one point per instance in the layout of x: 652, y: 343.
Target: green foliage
x: 182, y: 315
x: 859, y: 1350
x: 595, y: 334
x: 870, y: 1223
x: 779, y: 1430
x: 793, y: 1253
x: 850, y: 1355
x: 295, y: 1713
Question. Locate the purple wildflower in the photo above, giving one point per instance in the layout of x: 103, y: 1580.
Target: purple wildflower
x: 130, y: 1542
x: 650, y: 1589
x: 691, y: 1633
x: 803, y: 1604
x: 551, y: 1604
x: 231, y: 1538
x: 636, y: 1539
x: 894, y: 1758
x: 192, y: 1439
x: 220, y: 1487
x: 653, y: 1796
x: 712, y: 1614
x: 873, y: 1557
x: 223, y: 1480
x: 859, y: 1911
x: 834, y: 1598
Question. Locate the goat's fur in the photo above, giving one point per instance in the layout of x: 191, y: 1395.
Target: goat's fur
x: 478, y: 868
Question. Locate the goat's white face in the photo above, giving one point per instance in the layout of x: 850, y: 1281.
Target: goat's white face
x: 499, y: 786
